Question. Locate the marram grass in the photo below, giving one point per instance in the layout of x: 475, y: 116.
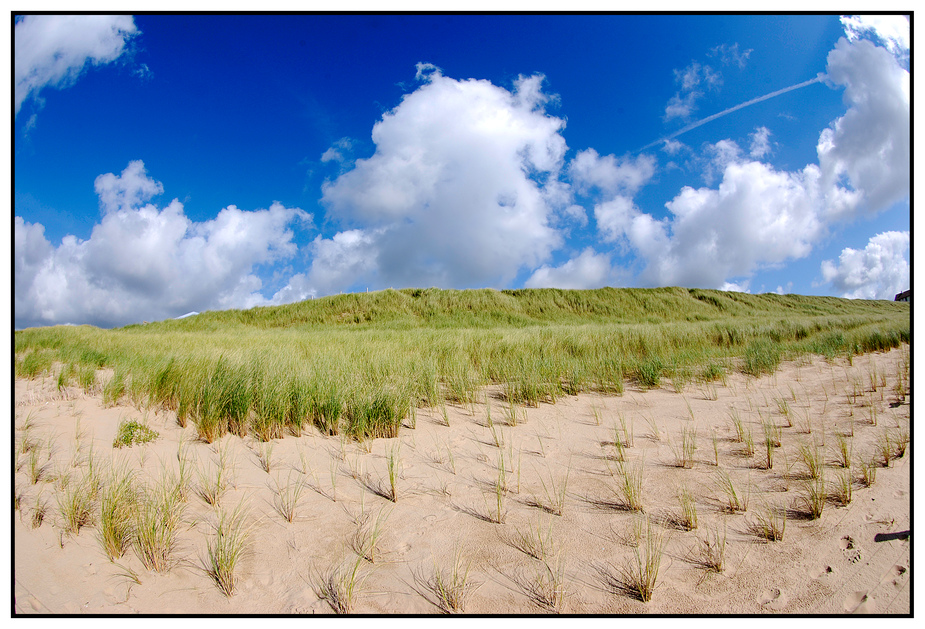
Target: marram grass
x: 358, y: 364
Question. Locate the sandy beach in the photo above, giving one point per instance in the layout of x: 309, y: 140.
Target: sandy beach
x: 530, y: 509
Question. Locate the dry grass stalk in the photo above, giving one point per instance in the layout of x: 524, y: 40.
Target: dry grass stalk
x: 39, y: 512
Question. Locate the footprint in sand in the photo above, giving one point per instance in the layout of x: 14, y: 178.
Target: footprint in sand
x: 774, y: 598
x: 898, y: 574
x: 821, y: 572
x: 850, y: 548
x: 860, y: 603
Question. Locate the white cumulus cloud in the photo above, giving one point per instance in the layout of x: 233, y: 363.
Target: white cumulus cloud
x: 588, y: 270
x: 879, y: 271
x: 463, y: 190
x: 147, y: 263
x: 892, y: 31
x: 53, y: 50
x: 868, y: 148
x: 756, y: 217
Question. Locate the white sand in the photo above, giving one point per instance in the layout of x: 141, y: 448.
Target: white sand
x: 446, y: 501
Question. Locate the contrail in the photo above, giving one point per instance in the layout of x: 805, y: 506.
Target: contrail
x: 819, y: 78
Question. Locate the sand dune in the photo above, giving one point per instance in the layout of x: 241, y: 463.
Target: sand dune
x: 559, y: 492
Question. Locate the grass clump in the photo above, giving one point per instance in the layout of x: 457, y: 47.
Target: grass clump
x: 868, y: 472
x: 131, y: 432
x: 39, y: 511
x: 118, y: 501
x: 34, y: 363
x: 712, y: 550
x: 548, y: 588
x: 649, y: 372
x: 812, y: 459
x: 630, y: 485
x: 534, y: 541
x: 226, y: 547
x: 684, y: 454
x: 340, y: 586
x: 76, y: 505
x: 157, y: 524
x: 688, y: 518
x: 451, y: 587
x: 814, y: 497
x: 771, y: 524
x: 735, y: 500
x: 555, y: 493
x: 641, y: 573
x: 841, y: 490
x: 844, y: 449
x: 365, y: 541
x: 762, y: 356
x: 737, y: 425
x: 394, y: 465
x: 286, y: 497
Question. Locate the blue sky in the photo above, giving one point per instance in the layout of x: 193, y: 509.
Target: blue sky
x: 168, y: 164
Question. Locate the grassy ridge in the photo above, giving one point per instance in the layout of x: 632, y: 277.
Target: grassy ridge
x: 361, y: 363
x: 432, y: 307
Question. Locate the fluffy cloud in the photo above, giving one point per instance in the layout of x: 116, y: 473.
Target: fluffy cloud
x: 891, y: 30
x: 588, y: 270
x: 879, y: 271
x: 869, y: 147
x: 462, y: 190
x: 609, y: 174
x: 52, y: 50
x: 758, y: 216
x: 142, y: 262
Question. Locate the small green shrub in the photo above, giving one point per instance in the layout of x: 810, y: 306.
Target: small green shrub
x: 131, y: 432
